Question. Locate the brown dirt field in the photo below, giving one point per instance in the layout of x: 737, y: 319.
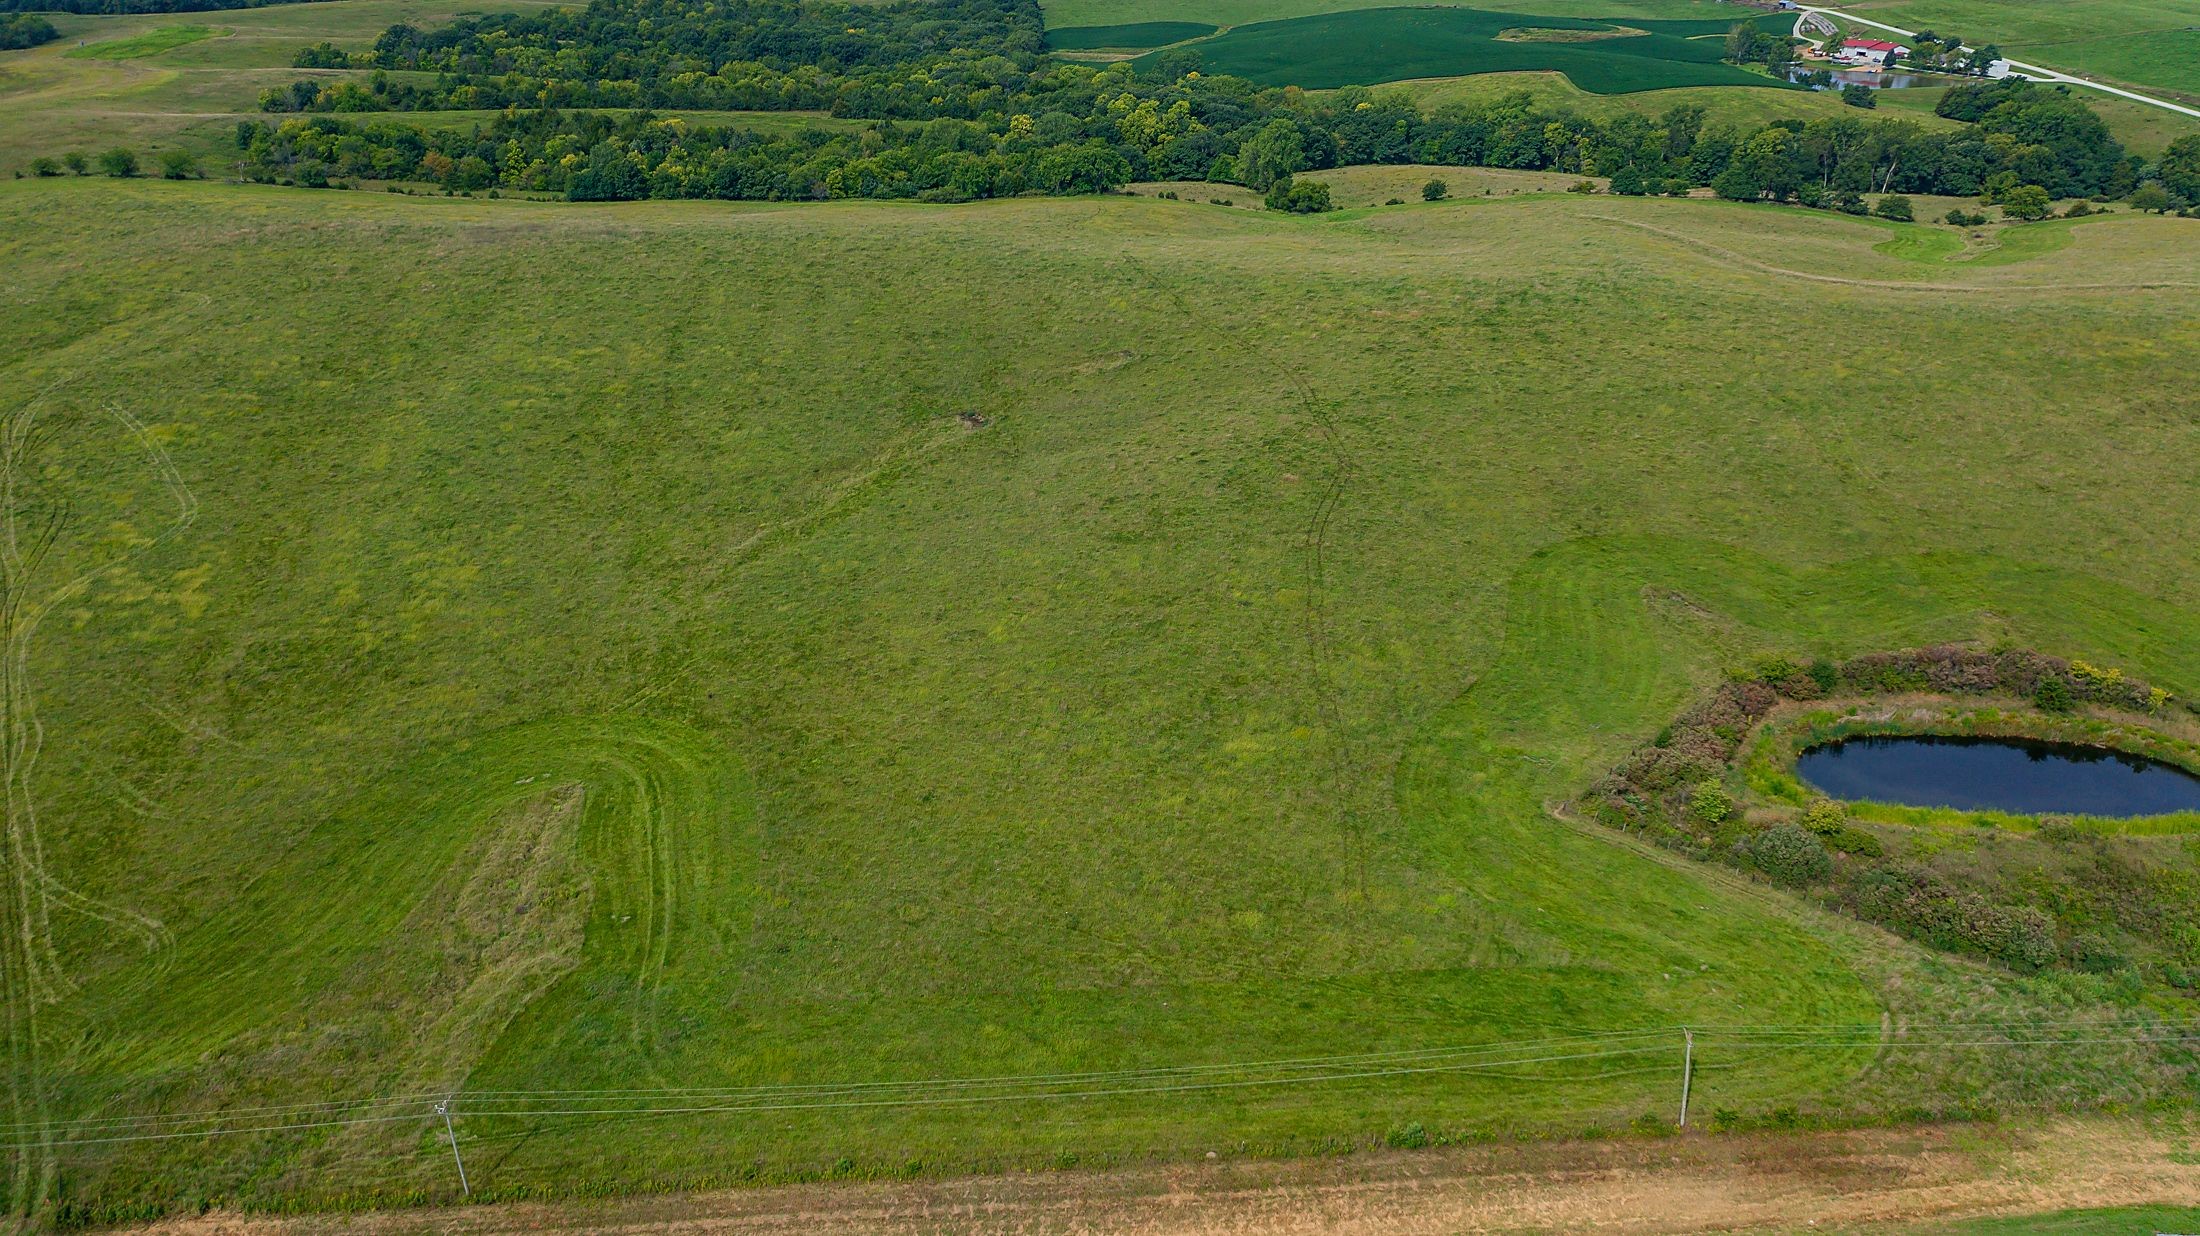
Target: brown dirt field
x: 1685, y: 1184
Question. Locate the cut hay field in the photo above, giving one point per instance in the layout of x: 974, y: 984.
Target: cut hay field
x: 558, y: 655
x: 1371, y: 46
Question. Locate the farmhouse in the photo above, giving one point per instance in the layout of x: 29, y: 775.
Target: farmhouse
x: 1869, y: 53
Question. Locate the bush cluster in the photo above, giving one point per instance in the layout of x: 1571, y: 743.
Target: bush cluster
x: 1787, y: 854
x: 21, y: 30
x: 1927, y: 907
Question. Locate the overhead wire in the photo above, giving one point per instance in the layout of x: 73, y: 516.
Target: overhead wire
x: 633, y: 1102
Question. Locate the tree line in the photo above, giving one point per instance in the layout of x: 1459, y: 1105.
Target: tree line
x: 966, y: 105
x: 1060, y: 127
x: 911, y: 60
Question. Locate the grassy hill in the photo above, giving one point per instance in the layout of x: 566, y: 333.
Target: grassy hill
x: 531, y: 648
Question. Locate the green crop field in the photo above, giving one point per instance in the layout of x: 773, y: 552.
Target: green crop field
x: 1241, y: 12
x: 1368, y: 46
x: 516, y: 648
x: 1135, y: 35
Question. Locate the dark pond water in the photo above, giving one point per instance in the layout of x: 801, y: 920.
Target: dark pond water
x: 1998, y: 774
x: 1877, y: 79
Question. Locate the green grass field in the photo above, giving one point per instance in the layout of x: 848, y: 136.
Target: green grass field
x: 138, y: 46
x: 1370, y: 46
x: 532, y: 647
x: 2122, y: 1221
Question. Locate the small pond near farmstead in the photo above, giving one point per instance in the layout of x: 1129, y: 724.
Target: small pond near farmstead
x: 1877, y: 79
x: 2017, y: 775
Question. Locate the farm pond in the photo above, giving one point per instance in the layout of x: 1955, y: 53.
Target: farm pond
x: 2017, y: 775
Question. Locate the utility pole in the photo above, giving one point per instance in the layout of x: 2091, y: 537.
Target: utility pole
x: 1688, y: 1073
x: 443, y: 1109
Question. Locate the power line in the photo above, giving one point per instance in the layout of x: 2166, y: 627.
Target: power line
x: 966, y: 1091
x: 1029, y: 1079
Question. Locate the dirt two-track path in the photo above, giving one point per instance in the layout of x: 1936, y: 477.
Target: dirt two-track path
x: 1830, y: 1181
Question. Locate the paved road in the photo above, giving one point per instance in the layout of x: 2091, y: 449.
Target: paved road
x: 2034, y: 71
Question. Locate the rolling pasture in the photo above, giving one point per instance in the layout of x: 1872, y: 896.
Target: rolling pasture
x: 526, y: 648
x: 136, y: 47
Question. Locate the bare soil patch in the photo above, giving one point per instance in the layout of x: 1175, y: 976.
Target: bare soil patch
x: 1544, y: 34
x: 1678, y: 1185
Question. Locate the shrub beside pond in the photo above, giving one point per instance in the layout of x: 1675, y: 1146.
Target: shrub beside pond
x: 2058, y: 895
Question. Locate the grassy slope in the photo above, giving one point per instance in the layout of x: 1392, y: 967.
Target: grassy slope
x: 135, y: 47
x: 914, y: 751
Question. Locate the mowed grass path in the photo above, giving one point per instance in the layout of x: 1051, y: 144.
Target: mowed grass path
x: 601, y: 657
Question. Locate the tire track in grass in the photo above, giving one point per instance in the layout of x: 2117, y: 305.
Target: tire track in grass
x: 31, y: 972
x: 664, y: 844
x: 1719, y: 253
x: 1316, y: 620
